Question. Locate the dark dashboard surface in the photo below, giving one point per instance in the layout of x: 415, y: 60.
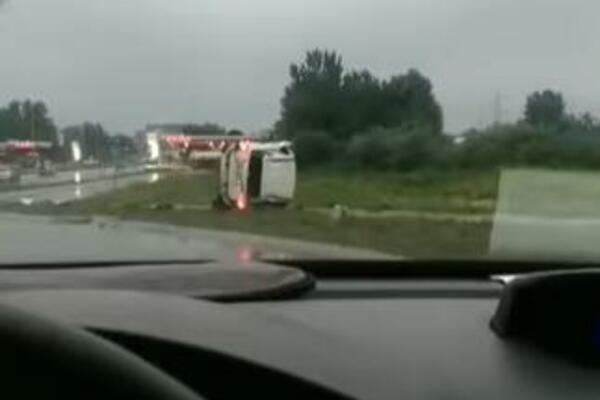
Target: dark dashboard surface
x: 369, y: 340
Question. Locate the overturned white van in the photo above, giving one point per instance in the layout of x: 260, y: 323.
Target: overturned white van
x: 257, y: 173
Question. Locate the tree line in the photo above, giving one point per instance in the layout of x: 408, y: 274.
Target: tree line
x: 356, y: 120
x: 97, y: 144
x: 323, y: 97
x: 30, y: 121
x: 353, y: 119
x: 27, y: 120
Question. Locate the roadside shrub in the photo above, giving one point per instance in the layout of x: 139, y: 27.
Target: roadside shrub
x: 411, y: 149
x: 370, y: 150
x: 399, y: 150
x: 523, y: 145
x: 314, y: 148
x: 421, y: 149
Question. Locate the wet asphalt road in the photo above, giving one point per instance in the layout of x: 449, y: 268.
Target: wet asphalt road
x: 63, y: 187
x: 65, y: 177
x: 42, y: 239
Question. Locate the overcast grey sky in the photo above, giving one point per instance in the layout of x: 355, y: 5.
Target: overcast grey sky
x: 129, y: 62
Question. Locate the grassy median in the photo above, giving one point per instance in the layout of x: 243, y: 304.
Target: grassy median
x: 183, y: 200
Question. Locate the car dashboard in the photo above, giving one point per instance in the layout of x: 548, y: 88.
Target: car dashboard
x: 368, y: 338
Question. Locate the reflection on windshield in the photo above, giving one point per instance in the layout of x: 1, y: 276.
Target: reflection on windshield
x: 550, y: 215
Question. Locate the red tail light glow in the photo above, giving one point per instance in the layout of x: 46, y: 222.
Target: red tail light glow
x: 245, y: 256
x: 242, y: 202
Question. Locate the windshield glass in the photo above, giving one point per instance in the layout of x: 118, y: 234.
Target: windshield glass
x: 166, y: 130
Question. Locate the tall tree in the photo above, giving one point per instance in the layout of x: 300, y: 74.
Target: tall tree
x: 27, y: 120
x: 312, y: 100
x: 362, y: 101
x: 545, y: 108
x: 409, y: 102
x: 322, y: 98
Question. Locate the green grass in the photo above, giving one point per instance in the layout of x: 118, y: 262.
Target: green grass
x: 451, y: 192
x: 181, y: 189
x: 413, y: 237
